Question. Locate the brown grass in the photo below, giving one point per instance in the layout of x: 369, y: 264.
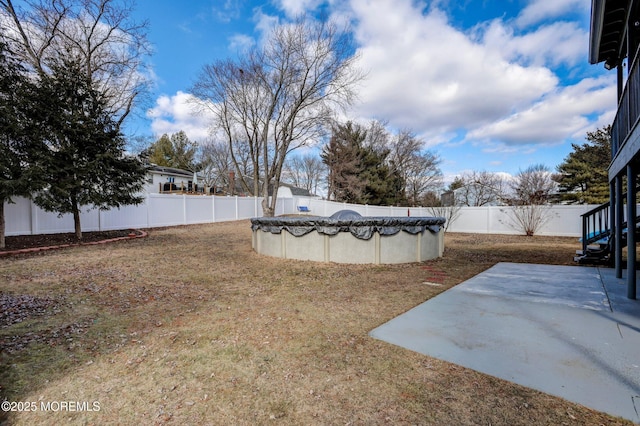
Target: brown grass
x: 190, y: 326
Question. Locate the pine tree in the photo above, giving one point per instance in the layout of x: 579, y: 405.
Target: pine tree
x: 86, y: 163
x: 360, y: 173
x: 20, y: 142
x: 342, y: 158
x: 584, y: 173
x: 174, y: 151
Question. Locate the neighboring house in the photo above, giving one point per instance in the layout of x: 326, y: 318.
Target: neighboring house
x: 286, y: 190
x: 614, y: 40
x: 161, y: 179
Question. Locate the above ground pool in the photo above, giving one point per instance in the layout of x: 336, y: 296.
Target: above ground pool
x: 347, y: 237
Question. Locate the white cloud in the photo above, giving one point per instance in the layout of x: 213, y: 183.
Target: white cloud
x: 174, y: 113
x: 492, y: 86
x: 427, y: 75
x: 228, y: 11
x: 264, y: 22
x: 241, y: 43
x: 293, y: 8
x: 560, y: 115
x: 553, y: 45
x: 540, y: 10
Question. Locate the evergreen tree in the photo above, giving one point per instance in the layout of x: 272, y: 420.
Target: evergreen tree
x: 174, y: 151
x: 584, y: 173
x: 383, y: 187
x: 85, y: 163
x: 360, y: 173
x: 342, y: 158
x: 20, y: 142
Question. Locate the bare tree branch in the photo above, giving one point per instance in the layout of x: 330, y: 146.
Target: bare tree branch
x: 281, y: 96
x: 97, y: 32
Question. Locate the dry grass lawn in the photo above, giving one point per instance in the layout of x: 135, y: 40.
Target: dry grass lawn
x: 190, y: 326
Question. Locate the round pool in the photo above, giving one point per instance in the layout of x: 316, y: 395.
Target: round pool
x: 348, y: 237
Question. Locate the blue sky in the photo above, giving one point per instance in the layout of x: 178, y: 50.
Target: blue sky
x: 488, y: 85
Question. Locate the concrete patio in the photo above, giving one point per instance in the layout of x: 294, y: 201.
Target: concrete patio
x: 568, y: 331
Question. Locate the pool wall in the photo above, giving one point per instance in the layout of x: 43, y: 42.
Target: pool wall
x: 368, y: 240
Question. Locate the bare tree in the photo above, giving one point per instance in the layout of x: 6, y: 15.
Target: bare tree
x: 280, y: 96
x: 483, y: 188
x: 419, y: 169
x: 450, y: 213
x: 215, y: 163
x: 532, y: 189
x: 378, y: 136
x: 99, y: 33
x: 534, y: 185
x: 305, y: 172
x: 528, y: 218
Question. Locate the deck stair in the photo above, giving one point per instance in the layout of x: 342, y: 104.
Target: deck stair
x: 597, y: 238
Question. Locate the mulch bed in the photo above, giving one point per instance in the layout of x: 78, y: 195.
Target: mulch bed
x: 46, y: 240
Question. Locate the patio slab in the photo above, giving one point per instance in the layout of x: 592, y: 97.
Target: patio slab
x: 568, y: 331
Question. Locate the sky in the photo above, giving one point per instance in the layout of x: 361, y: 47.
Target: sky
x: 488, y: 85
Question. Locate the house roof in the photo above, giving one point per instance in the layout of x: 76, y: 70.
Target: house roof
x: 607, y: 34
x: 154, y: 168
x: 301, y: 192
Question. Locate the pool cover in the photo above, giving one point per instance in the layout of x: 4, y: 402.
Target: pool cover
x: 362, y: 228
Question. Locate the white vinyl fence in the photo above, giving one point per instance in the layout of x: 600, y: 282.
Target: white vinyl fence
x: 24, y: 217
x: 561, y: 220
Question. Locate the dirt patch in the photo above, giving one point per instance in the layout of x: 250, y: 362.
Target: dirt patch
x: 46, y: 240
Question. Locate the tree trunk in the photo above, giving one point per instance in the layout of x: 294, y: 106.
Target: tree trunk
x: 267, y: 210
x: 2, y: 224
x: 76, y: 223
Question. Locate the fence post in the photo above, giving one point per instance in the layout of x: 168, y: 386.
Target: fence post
x: 148, y: 207
x: 237, y: 214
x: 34, y: 217
x: 184, y: 209
x: 213, y: 208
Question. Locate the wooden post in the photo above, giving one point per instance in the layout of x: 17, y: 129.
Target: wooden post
x: 619, y: 213
x: 631, y: 231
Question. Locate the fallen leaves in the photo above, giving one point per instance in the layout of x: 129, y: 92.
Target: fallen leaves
x: 17, y: 308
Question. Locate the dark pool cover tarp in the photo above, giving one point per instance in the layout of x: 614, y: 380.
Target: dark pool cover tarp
x: 363, y: 228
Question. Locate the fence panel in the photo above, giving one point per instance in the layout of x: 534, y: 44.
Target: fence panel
x: 125, y: 217
x: 198, y: 209
x: 225, y: 208
x: 165, y: 210
x: 565, y: 221
x: 502, y: 220
x: 471, y: 219
x: 286, y: 206
x: 18, y: 217
x: 51, y: 223
x: 375, y: 211
x: 247, y: 207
